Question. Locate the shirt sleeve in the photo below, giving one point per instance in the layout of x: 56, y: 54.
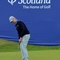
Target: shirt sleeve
x: 18, y: 34
x: 23, y: 29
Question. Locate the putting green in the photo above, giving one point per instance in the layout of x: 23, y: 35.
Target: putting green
x: 33, y: 55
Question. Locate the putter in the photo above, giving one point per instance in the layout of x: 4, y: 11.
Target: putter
x: 15, y: 58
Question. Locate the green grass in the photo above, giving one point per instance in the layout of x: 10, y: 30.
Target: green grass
x: 8, y: 50
x: 9, y: 46
x: 6, y: 46
x: 33, y: 55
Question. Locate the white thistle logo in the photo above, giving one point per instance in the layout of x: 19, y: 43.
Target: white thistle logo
x: 11, y: 1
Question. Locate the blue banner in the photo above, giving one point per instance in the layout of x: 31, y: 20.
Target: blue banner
x: 42, y: 17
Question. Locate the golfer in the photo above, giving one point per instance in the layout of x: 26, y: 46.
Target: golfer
x: 24, y: 36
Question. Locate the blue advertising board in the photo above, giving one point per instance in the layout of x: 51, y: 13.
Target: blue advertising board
x: 42, y: 17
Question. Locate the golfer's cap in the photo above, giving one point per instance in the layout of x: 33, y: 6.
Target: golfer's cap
x: 11, y: 18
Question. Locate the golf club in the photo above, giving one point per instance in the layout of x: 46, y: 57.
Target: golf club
x: 15, y: 58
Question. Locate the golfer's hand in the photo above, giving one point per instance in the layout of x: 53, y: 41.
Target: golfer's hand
x: 20, y: 40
